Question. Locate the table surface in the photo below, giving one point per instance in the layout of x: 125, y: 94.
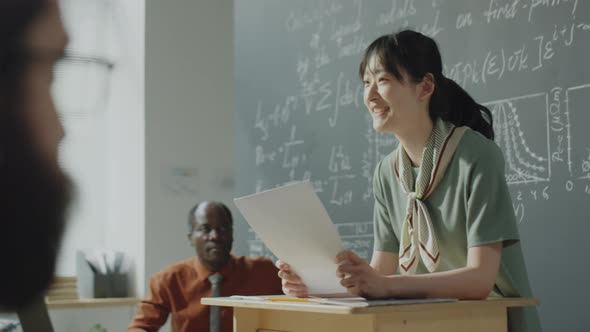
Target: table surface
x: 339, y: 309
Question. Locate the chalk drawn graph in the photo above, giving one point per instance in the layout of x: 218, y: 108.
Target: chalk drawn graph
x: 527, y: 161
x: 565, y: 114
x: 577, y: 101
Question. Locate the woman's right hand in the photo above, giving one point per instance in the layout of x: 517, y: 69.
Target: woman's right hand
x: 291, y: 282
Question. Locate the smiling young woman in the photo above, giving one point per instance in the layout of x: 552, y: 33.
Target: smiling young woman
x: 443, y: 218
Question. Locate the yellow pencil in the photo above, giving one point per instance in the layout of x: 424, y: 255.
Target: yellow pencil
x: 288, y: 299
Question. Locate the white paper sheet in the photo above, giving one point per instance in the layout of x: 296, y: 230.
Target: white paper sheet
x: 352, y: 302
x: 295, y: 226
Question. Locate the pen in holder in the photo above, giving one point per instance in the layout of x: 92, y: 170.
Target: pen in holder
x: 100, y: 274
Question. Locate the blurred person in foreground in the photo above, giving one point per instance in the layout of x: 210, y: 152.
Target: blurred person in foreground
x: 34, y: 191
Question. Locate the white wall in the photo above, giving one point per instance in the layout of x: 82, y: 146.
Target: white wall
x: 104, y: 149
x: 84, y: 148
x: 125, y: 222
x: 189, y: 110
x: 170, y: 141
x: 113, y: 319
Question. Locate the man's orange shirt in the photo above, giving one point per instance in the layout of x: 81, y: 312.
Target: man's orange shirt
x: 178, y: 289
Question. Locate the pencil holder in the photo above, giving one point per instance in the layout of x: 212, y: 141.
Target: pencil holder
x: 94, y: 284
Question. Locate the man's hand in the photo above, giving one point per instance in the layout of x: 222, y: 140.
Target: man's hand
x: 291, y: 282
x: 359, y: 277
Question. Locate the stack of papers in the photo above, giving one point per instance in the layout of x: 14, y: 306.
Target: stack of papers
x: 343, y: 301
x: 351, y: 302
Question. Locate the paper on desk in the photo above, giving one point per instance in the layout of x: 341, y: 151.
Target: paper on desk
x: 351, y: 302
x: 295, y: 226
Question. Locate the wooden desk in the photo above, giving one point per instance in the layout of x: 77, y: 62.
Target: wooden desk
x: 461, y: 316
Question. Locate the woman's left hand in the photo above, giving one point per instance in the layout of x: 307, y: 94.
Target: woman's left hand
x: 359, y: 278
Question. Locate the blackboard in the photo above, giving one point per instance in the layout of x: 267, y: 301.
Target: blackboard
x: 299, y: 115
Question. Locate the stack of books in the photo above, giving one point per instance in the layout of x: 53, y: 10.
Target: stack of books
x: 62, y: 289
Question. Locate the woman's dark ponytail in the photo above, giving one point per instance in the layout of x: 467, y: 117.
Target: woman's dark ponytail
x: 453, y: 104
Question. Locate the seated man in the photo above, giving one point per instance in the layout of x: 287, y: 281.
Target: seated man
x: 178, y: 289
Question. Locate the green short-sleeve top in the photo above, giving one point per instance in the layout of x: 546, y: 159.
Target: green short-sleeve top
x: 471, y: 206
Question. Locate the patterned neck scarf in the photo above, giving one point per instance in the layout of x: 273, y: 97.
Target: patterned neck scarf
x: 418, y: 241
